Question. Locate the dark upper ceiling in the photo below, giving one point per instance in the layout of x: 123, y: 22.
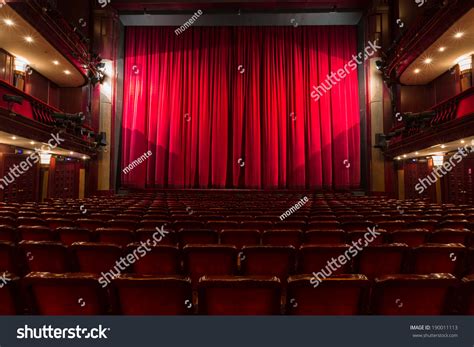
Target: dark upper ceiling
x: 230, y: 5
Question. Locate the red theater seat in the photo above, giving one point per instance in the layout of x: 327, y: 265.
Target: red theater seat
x: 146, y: 235
x: 359, y: 237
x: 375, y: 261
x: 211, y: 260
x: 156, y: 260
x: 256, y: 295
x: 188, y: 225
x: 240, y: 237
x: 451, y: 236
x: 45, y: 256
x: 438, y: 258
x: 276, y: 261
x: 360, y: 225
x: 468, y: 295
x: 259, y: 225
x: 337, y: 295
x: 117, y: 236
x: 36, y: 233
x: 314, y: 258
x: 198, y: 236
x: 10, y: 304
x: 324, y: 237
x: 96, y: 257
x: 412, y: 294
x: 32, y: 221
x: 422, y: 224
x: 54, y: 223
x: 453, y: 224
x: 411, y: 237
x: 69, y: 235
x: 66, y: 294
x: 220, y: 225
x: 90, y: 224
x: 9, y: 258
x: 122, y: 224
x: 151, y: 295
x: 8, y: 233
x: 283, y: 237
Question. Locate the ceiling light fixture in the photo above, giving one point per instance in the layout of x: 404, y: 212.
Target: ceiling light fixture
x: 13, y: 137
x: 8, y: 22
x: 67, y: 72
x: 29, y: 39
x: 459, y: 35
x: 443, y: 146
x: 32, y: 142
x: 417, y: 70
x: 428, y: 61
x: 55, y: 62
x: 441, y: 49
x: 462, y: 141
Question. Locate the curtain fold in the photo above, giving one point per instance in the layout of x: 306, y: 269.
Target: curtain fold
x: 231, y: 107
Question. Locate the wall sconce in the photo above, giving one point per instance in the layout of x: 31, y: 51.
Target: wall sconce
x: 437, y: 160
x: 45, y: 158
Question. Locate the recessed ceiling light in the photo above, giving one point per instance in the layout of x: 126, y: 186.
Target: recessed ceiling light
x: 417, y: 70
x: 404, y: 156
x: 443, y: 146
x: 71, y: 153
x: 462, y: 141
x: 8, y: 22
x: 29, y: 39
x: 459, y: 35
x: 442, y: 49
x: 55, y: 62
x: 32, y: 142
x: 416, y: 153
x: 398, y: 158
x: 84, y: 157
x: 428, y: 61
x: 67, y: 72
x: 13, y: 137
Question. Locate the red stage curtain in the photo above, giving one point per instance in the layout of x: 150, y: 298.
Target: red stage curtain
x: 232, y: 107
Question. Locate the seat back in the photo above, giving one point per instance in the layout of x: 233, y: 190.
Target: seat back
x: 198, y: 236
x: 276, y: 261
x: 117, y: 236
x: 314, y: 258
x: 438, y: 258
x: 8, y: 233
x: 66, y: 294
x: 36, y: 233
x: 9, y: 258
x: 321, y: 237
x: 468, y: 295
x: 225, y: 295
x: 96, y: 257
x: 240, y: 237
x: 151, y: 295
x: 211, y: 260
x: 69, y: 235
x: 282, y: 237
x: 374, y: 261
x: 45, y: 256
x: 412, y: 294
x: 162, y: 260
x: 9, y: 294
x: 451, y: 236
x: 410, y: 237
x: 337, y: 295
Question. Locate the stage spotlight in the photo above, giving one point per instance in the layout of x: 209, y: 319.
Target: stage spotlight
x: 380, y: 64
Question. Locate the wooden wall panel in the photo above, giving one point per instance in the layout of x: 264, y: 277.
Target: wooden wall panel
x: 23, y: 188
x: 63, y: 179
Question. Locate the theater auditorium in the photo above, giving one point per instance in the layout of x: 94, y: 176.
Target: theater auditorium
x: 236, y: 158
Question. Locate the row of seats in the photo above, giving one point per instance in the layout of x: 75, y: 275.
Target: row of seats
x: 201, y: 260
x: 81, y: 294
x: 237, y: 237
